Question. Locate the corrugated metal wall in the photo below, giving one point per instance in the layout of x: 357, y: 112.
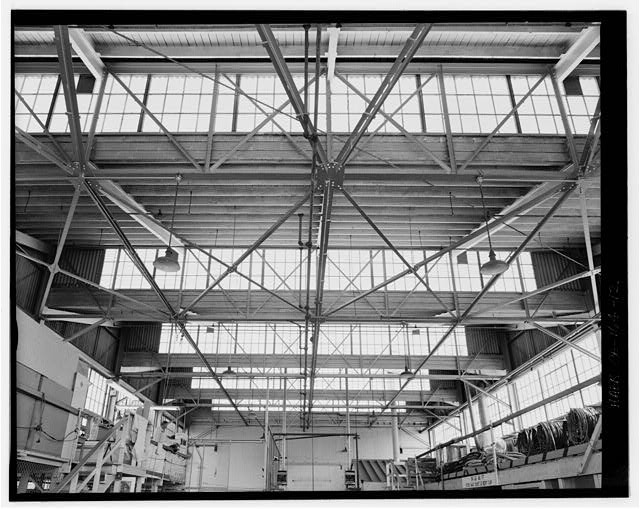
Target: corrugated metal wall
x: 100, y: 344
x: 524, y: 345
x: 153, y: 392
x: 28, y: 282
x: 86, y: 263
x: 141, y: 337
x: 483, y: 340
x: 550, y: 267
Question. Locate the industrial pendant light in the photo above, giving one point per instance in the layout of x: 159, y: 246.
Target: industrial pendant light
x: 493, y: 266
x: 228, y: 372
x: 169, y: 262
x: 407, y: 373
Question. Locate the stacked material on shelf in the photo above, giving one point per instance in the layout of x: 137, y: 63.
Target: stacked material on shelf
x: 543, y: 437
x: 426, y: 467
x: 572, y: 429
x: 580, y: 424
x: 471, y: 459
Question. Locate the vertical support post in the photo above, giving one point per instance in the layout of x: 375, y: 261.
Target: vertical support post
x: 471, y: 414
x: 395, y: 439
x: 266, y: 441
x: 495, y: 456
x: 587, y: 242
x: 348, y: 417
x: 328, y: 115
x: 447, y: 123
x: 284, y: 422
x: 212, y: 121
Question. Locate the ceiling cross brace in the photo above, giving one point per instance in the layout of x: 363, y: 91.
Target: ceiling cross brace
x: 167, y: 133
x: 43, y: 150
x: 538, y: 291
x: 273, y: 49
x: 53, y: 268
x: 44, y: 128
x: 421, y: 144
x: 397, y: 69
x: 413, y: 270
x: 569, y: 188
x: 521, y: 209
x: 251, y: 249
x: 563, y: 340
x: 502, y: 122
x: 135, y: 258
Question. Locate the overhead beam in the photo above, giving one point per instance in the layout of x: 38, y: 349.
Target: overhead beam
x: 299, y: 376
x: 87, y: 53
x: 450, y: 52
x: 588, y: 40
x: 138, y: 361
x: 179, y: 392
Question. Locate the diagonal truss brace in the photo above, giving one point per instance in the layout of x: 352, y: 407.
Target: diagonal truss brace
x: 568, y: 189
x: 66, y: 72
x: 397, y: 69
x: 242, y: 257
x: 273, y: 49
x: 395, y: 250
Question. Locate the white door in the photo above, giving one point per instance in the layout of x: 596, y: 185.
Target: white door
x: 318, y: 478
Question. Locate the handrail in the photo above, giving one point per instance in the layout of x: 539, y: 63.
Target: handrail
x: 82, y: 462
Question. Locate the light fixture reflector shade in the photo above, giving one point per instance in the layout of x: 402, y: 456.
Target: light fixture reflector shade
x: 406, y: 373
x: 168, y: 262
x: 493, y: 266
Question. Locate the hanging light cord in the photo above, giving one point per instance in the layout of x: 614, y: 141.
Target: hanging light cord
x: 486, y: 217
x: 175, y: 201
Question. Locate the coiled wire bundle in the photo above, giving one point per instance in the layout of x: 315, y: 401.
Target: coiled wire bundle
x: 550, y: 436
x: 544, y: 437
x: 580, y: 424
x: 526, y: 440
